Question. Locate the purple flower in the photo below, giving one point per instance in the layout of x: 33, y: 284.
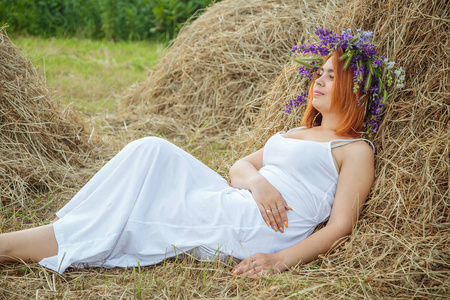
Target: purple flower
x: 322, y: 32
x: 374, y: 90
x: 365, y: 36
x: 377, y: 63
x: 362, y: 69
x: 364, y: 58
x: 346, y: 31
x: 305, y: 72
x: 374, y: 124
x: 359, y: 44
x: 303, y: 98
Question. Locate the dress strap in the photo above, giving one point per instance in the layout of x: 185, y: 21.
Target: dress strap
x: 342, y: 142
x: 345, y: 142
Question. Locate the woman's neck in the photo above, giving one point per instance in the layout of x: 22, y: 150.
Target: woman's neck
x: 330, y: 121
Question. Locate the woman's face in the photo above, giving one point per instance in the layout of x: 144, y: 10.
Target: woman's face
x: 323, y: 88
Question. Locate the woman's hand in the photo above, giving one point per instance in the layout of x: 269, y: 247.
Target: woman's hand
x: 271, y: 204
x: 244, y: 175
x: 259, y: 264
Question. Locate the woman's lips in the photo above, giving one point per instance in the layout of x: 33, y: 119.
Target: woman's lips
x: 317, y: 93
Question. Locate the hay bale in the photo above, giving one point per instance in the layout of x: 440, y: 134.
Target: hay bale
x: 401, y: 245
x: 41, y: 144
x: 217, y: 64
x: 270, y: 118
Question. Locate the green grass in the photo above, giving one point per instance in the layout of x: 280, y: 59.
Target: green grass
x: 90, y: 74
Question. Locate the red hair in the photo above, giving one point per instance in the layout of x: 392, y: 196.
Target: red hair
x: 344, y: 100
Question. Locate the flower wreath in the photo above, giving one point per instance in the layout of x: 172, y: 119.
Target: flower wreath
x: 368, y: 67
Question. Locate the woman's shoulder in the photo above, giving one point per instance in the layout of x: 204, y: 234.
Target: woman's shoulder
x: 358, y: 152
x: 357, y: 155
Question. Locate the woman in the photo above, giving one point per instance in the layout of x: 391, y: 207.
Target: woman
x: 354, y: 162
x: 154, y: 201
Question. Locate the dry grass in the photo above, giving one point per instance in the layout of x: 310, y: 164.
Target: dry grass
x: 42, y: 144
x: 400, y: 246
x: 216, y: 65
x: 174, y: 279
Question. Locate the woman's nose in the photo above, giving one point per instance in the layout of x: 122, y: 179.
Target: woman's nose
x: 319, y: 81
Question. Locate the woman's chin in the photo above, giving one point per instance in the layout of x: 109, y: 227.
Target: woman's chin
x: 321, y: 107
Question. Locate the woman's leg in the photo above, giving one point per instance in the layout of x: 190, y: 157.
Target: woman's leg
x: 28, y: 245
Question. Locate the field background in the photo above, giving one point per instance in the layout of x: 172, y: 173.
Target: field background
x: 89, y: 74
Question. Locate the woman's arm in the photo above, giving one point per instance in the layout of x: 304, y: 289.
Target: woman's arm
x: 354, y: 183
x: 244, y: 175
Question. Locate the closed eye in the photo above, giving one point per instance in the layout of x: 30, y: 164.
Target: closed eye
x: 322, y: 71
x: 321, y: 74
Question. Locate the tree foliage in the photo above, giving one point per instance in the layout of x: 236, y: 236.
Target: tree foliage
x: 110, y: 19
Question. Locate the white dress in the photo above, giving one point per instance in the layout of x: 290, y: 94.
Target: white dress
x: 153, y: 201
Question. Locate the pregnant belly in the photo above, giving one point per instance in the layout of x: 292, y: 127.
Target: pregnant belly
x: 254, y: 234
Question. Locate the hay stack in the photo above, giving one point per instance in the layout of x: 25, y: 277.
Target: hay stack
x: 401, y: 246
x: 217, y: 64
x: 40, y: 143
